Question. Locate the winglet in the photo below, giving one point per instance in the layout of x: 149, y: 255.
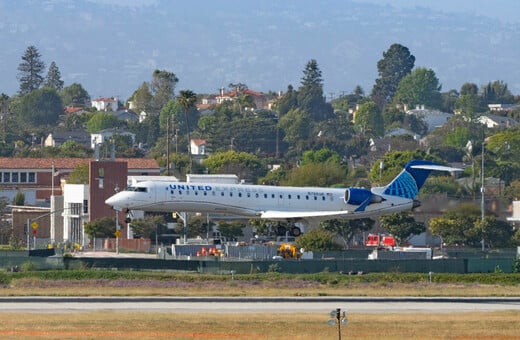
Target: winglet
x: 408, y: 183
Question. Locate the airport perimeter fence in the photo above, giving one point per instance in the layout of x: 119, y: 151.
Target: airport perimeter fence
x: 326, y: 261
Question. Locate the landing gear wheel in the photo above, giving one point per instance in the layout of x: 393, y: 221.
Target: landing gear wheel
x: 295, y: 231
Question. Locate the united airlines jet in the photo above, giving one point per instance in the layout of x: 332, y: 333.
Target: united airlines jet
x: 309, y: 205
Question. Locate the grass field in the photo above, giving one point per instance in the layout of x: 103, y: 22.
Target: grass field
x: 108, y: 325
x: 129, y: 325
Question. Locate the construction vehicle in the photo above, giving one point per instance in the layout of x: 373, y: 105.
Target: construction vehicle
x: 380, y: 241
x: 288, y: 251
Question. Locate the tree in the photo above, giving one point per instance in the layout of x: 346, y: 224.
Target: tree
x: 287, y: 102
x: 74, y: 95
x: 187, y: 100
x: 496, y: 93
x: 468, y: 88
x: 317, y: 240
x: 420, y: 87
x: 41, y: 107
x: 100, y: 228
x: 317, y: 174
x: 19, y: 198
x: 397, y: 62
x: 469, y: 105
x: 142, y: 98
x: 231, y: 230
x: 310, y: 94
x: 457, y: 226
x: 30, y: 70
x: 244, y: 165
x: 101, y: 121
x: 369, y: 119
x: 162, y: 88
x: 80, y: 175
x: 147, y: 227
x: 297, y: 127
x: 53, y: 79
x: 347, y: 229
x: 401, y: 225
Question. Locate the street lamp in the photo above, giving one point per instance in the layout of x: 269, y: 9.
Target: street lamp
x: 338, y: 318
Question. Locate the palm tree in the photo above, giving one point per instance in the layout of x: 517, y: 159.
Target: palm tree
x: 187, y: 100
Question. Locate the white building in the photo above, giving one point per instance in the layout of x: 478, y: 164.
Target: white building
x: 106, y: 104
x: 75, y: 213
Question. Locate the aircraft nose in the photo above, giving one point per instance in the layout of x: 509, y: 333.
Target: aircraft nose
x: 114, y: 201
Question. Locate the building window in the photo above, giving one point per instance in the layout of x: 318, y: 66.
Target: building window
x: 85, y: 206
x: 7, y: 177
x: 14, y: 177
x: 31, y: 177
x: 23, y: 177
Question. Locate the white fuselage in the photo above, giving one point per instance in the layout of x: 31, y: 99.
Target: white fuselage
x: 271, y: 202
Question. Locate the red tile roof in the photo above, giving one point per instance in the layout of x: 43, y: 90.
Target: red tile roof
x: 69, y: 163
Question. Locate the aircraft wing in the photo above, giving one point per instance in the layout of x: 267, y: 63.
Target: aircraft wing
x: 276, y: 214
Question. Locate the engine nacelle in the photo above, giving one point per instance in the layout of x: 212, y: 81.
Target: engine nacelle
x: 356, y: 196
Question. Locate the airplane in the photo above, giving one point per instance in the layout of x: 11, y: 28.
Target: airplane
x: 307, y: 205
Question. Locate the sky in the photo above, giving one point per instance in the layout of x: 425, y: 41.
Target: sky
x: 112, y: 46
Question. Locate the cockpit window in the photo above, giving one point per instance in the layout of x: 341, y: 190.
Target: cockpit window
x: 138, y: 189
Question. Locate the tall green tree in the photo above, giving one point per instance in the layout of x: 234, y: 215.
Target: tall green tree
x: 496, y: 93
x: 100, y: 228
x: 297, y: 126
x: 402, y: 225
x: 101, y: 121
x: 41, y: 107
x: 347, y: 229
x: 244, y: 165
x: 187, y: 100
x: 142, y: 98
x: 317, y: 239
x: 396, y: 63
x: 420, y: 87
x: 369, y: 119
x: 75, y: 95
x: 53, y: 78
x: 30, y: 70
x: 310, y: 94
x: 287, y: 102
x: 162, y: 88
x: 231, y: 230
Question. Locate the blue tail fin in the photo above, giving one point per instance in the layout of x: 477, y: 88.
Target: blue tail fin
x: 408, y: 183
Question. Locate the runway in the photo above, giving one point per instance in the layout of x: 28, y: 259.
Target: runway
x: 272, y: 305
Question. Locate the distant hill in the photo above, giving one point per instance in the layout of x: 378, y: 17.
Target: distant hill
x: 111, y: 49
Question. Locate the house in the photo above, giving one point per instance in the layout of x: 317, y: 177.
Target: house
x: 503, y: 107
x: 102, y: 136
x: 432, y: 118
x: 198, y: 147
x: 57, y: 138
x: 76, y: 110
x: 494, y: 121
x: 260, y: 100
x: 106, y: 104
x: 127, y: 115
